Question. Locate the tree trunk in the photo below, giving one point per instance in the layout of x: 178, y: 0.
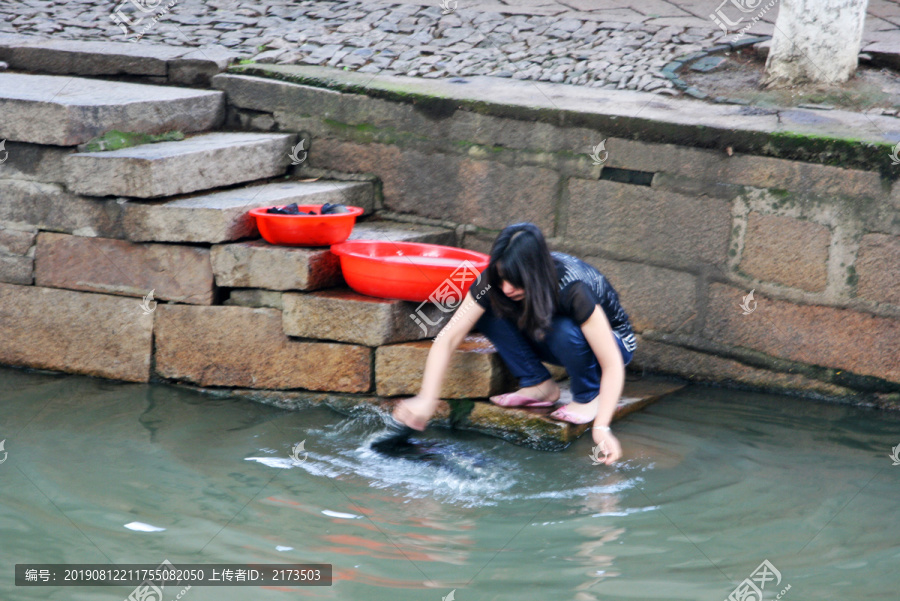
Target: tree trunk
x: 815, y: 41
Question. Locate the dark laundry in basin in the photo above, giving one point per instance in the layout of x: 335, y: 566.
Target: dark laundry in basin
x: 292, y: 209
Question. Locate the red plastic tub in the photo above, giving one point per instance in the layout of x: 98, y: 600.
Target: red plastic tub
x: 410, y: 270
x: 305, y: 230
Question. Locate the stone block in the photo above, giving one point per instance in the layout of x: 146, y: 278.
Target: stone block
x: 344, y: 315
x: 67, y: 111
x: 768, y: 172
x: 489, y: 130
x: 878, y: 269
x: 639, y: 222
x: 177, y: 273
x: 224, y: 216
x: 475, y: 370
x: 532, y: 428
x: 34, y: 162
x: 198, y: 67
x: 202, y: 162
x: 693, y: 163
x: 71, y: 57
x: 491, y: 194
x: 343, y: 110
x: 654, y: 298
x: 786, y: 251
x: 392, y: 231
x: 14, y: 241
x: 181, y: 66
x: 659, y: 357
x: 258, y: 264
x: 443, y: 186
x: 256, y: 298
x: 30, y: 205
x: 16, y: 269
x: 885, y: 52
x: 75, y: 332
x: 245, y: 347
x: 842, y: 339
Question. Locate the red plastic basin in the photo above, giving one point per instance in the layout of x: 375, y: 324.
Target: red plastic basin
x: 305, y: 230
x: 409, y: 270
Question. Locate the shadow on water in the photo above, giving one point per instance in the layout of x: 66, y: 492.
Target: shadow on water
x: 713, y: 483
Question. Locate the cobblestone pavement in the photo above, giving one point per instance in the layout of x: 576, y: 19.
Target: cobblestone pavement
x: 613, y: 44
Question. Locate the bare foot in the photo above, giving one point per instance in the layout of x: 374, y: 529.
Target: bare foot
x: 545, y: 391
x: 587, y: 410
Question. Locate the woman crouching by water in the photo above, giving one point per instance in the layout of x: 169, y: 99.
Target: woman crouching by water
x: 539, y: 306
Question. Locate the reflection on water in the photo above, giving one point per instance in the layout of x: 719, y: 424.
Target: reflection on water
x: 714, y: 482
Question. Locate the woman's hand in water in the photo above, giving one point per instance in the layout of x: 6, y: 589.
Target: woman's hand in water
x: 609, y: 445
x: 415, y: 412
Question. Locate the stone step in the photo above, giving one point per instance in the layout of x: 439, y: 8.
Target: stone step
x: 224, y: 216
x: 16, y: 254
x: 241, y: 346
x: 527, y: 428
x: 343, y: 315
x: 532, y: 427
x: 173, y: 272
x: 75, y: 332
x: 475, y: 371
x: 158, y: 62
x: 67, y: 111
x: 201, y: 162
x: 258, y: 264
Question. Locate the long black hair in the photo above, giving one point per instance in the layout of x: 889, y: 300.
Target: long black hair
x: 520, y: 256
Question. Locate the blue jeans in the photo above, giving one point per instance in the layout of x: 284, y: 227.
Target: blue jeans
x: 564, y: 344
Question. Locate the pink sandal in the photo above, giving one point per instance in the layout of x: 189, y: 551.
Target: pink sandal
x: 563, y: 414
x: 511, y: 399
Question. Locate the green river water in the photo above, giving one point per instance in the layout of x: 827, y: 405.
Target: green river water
x: 713, y: 483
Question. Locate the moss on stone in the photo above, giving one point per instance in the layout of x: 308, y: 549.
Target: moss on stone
x: 460, y: 410
x: 816, y: 148
x: 366, y: 133
x: 852, y: 277
x: 115, y: 139
x: 850, y: 153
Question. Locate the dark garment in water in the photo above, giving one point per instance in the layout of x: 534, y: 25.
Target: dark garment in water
x: 292, y: 209
x: 395, y: 439
x: 396, y: 442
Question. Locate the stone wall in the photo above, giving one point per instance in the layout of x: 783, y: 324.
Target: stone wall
x: 686, y: 216
x: 692, y: 208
